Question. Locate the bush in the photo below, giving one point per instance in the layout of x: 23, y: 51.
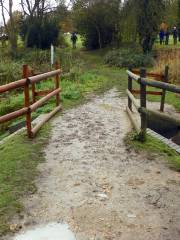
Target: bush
x: 38, y: 33
x: 38, y: 60
x: 128, y: 58
x: 10, y: 71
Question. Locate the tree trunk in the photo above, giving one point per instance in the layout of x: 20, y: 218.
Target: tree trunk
x: 99, y: 37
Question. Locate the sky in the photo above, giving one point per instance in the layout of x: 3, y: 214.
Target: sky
x: 16, y: 6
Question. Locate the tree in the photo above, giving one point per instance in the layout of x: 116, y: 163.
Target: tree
x: 128, y: 21
x: 11, y: 25
x: 179, y: 18
x: 97, y: 21
x: 40, y: 27
x: 40, y: 33
x: 149, y: 17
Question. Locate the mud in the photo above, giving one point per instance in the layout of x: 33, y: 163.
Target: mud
x: 101, y: 188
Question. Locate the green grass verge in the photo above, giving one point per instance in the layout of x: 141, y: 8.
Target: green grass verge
x: 153, y: 145
x: 19, y: 157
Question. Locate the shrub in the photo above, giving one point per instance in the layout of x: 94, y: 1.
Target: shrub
x: 38, y: 33
x: 38, y: 59
x: 9, y: 71
x: 128, y: 58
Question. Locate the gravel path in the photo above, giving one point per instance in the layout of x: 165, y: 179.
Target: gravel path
x: 98, y: 186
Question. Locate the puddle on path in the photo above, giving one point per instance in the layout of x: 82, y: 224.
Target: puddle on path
x: 52, y: 231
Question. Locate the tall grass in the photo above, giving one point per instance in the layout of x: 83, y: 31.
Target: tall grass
x: 170, y: 57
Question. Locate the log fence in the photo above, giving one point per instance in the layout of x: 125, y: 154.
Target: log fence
x: 141, y: 107
x: 28, y: 83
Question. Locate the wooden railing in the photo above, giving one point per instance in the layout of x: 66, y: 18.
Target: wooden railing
x: 158, y: 77
x: 142, y: 106
x: 28, y: 83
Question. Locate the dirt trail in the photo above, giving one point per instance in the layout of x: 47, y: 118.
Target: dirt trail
x: 102, y: 189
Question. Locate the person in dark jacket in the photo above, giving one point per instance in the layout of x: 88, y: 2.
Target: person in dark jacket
x: 175, y: 35
x: 74, y: 40
x: 161, y: 36
x: 167, y: 37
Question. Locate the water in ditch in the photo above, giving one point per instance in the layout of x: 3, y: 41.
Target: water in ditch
x: 165, y: 128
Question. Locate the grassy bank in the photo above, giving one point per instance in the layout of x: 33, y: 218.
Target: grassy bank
x: 153, y: 146
x: 19, y: 158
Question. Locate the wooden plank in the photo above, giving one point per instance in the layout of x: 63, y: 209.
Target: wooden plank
x: 46, y: 119
x: 12, y: 85
x: 27, y: 100
x: 44, y: 76
x: 157, y: 76
x: 33, y: 92
x: 130, y: 84
x: 39, y: 103
x: 142, y: 135
x: 133, y: 100
x: 13, y: 115
x: 148, y: 92
x: 164, y: 91
x: 133, y: 76
x: 57, y: 84
x: 162, y: 85
x: 133, y: 121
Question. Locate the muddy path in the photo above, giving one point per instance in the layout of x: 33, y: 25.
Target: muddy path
x: 102, y: 189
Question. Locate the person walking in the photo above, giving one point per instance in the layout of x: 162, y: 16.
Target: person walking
x: 175, y: 35
x: 167, y: 37
x: 161, y: 36
x: 74, y: 40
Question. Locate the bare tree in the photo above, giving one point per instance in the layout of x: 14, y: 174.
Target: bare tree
x: 10, y: 28
x: 35, y: 8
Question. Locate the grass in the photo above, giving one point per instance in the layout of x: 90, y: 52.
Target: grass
x: 19, y: 158
x: 151, y: 146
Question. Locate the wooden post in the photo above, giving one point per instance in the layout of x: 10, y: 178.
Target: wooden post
x: 142, y: 135
x: 27, y: 100
x: 166, y: 73
x: 130, y: 89
x: 57, y: 83
x: 33, y: 89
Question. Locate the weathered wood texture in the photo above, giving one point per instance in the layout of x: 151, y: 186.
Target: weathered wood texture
x: 143, y: 105
x: 164, y: 91
x: 142, y: 109
x: 29, y: 83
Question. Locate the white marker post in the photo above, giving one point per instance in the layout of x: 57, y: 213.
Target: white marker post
x: 52, y: 55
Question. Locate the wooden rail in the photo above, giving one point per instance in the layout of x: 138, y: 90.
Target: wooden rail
x: 141, y: 107
x: 28, y: 83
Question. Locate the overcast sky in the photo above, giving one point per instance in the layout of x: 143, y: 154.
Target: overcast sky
x: 16, y: 6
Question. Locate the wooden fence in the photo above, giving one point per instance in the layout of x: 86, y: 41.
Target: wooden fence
x: 28, y: 83
x: 144, y: 82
